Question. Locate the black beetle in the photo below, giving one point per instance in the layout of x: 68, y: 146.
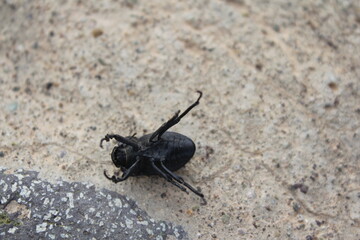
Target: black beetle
x: 159, y: 153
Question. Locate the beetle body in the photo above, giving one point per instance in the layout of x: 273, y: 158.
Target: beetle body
x: 175, y: 148
x: 160, y: 153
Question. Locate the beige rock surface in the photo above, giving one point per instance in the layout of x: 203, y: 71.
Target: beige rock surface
x: 277, y: 130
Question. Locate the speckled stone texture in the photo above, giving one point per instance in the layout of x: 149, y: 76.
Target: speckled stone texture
x: 36, y: 209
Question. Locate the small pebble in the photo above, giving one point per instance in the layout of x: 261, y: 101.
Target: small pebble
x: 12, y: 107
x: 16, y: 89
x: 97, y: 32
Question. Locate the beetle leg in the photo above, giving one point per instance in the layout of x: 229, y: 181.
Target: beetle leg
x: 120, y: 139
x: 167, y: 177
x: 191, y: 106
x: 116, y: 179
x: 125, y: 175
x: 113, y: 178
x: 174, y: 120
x: 181, y: 180
x: 171, y: 122
x: 173, y: 175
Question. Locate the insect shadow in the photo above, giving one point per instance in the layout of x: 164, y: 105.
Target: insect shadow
x: 159, y: 153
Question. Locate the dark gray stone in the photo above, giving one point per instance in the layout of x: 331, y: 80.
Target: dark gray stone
x: 74, y: 211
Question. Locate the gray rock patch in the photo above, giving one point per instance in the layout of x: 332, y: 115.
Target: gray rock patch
x: 74, y: 211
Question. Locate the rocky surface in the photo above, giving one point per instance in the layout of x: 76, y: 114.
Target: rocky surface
x: 35, y: 209
x: 277, y: 130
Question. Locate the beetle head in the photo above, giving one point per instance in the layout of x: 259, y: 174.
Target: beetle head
x: 123, y: 156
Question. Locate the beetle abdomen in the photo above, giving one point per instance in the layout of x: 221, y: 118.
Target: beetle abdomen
x: 176, y: 150
x: 183, y: 149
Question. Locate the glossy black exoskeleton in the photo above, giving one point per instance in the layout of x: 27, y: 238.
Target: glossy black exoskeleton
x: 160, y: 153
